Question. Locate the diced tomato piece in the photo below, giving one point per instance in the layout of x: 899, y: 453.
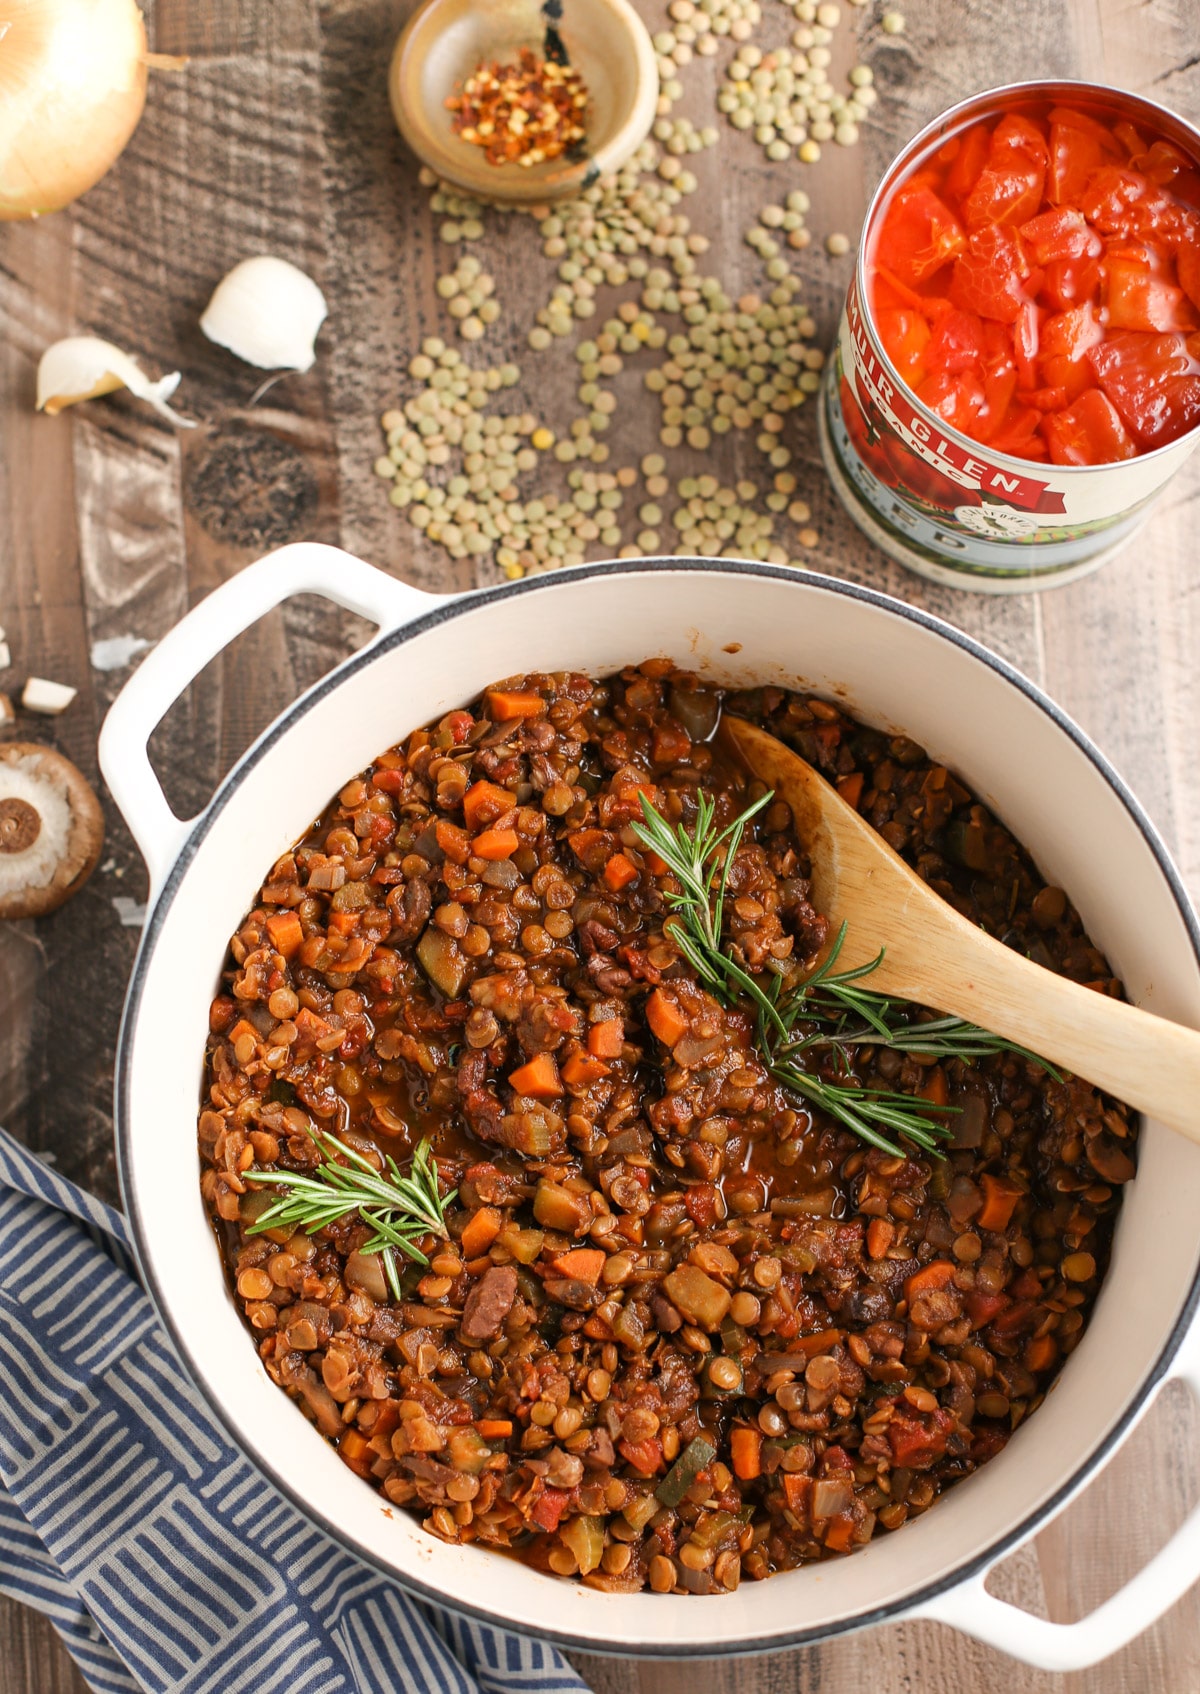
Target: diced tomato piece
x: 1153, y: 381
x: 919, y: 235
x: 1009, y: 187
x: 918, y: 1440
x: 1119, y: 201
x: 700, y: 1203
x: 644, y: 1456
x: 1078, y: 147
x: 1088, y: 433
x: 672, y: 744
x: 905, y: 336
x: 1017, y: 433
x: 957, y: 342
x: 1188, y: 265
x: 1046, y: 399
x: 1069, y: 376
x: 1135, y: 298
x: 990, y: 278
x: 606, y: 1040
x: 549, y: 1508
x: 1061, y: 233
x: 969, y: 158
x: 537, y: 1080
x: 1070, y: 282
x: 1026, y: 339
x: 982, y: 1308
x: 958, y: 399
x: 1071, y: 333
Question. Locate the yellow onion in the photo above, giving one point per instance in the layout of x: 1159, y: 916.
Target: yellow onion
x: 72, y: 88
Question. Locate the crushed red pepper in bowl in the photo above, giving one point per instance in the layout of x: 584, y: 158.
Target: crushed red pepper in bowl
x: 521, y: 114
x: 1036, y: 282
x: 682, y: 1327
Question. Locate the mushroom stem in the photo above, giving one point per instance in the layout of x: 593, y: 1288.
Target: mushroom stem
x: 20, y: 825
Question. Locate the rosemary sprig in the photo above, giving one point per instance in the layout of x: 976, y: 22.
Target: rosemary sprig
x: 398, y: 1209
x: 797, y: 1017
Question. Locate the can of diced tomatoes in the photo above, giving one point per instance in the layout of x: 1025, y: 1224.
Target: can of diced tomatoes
x: 1017, y: 373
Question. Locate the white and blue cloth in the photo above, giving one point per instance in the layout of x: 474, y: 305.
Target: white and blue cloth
x: 163, y: 1558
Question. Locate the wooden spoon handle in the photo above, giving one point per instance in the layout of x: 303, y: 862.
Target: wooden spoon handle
x: 1147, y: 1061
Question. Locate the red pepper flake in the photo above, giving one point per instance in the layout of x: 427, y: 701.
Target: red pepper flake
x: 521, y: 114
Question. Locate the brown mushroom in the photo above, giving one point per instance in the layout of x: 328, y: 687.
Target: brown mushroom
x: 51, y: 830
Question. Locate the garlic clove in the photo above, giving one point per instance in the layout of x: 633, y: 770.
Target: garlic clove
x: 267, y: 312
x: 83, y: 367
x: 5, y: 654
x: 50, y: 698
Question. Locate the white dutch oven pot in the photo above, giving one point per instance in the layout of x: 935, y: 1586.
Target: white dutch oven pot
x: 735, y: 623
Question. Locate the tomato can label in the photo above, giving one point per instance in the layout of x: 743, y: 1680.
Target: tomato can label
x: 944, y: 504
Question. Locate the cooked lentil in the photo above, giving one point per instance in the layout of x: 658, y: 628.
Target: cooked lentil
x: 687, y: 1331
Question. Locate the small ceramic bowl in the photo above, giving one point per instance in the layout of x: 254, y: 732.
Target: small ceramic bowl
x: 446, y: 40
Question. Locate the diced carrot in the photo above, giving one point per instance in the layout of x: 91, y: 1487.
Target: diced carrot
x: 496, y: 844
x: 935, y: 1089
x: 935, y: 1275
x: 840, y: 1533
x: 1041, y: 1353
x: 482, y: 1229
x: 606, y: 1040
x: 644, y: 1456
x: 655, y: 865
x: 477, y: 1267
x: 880, y: 1235
x: 343, y: 923
x: 538, y: 1080
x: 665, y: 1018
x: 242, y: 1027
x: 619, y: 871
x: 454, y: 842
x: 828, y: 734
x: 999, y: 1202
x: 355, y: 1451
x: 285, y: 932
x: 581, y: 1264
x: 582, y: 1069
x: 796, y: 1491
x: 745, y: 1448
x: 484, y: 802
x: 810, y: 1345
x: 494, y: 1429
x: 850, y: 788
x: 503, y: 705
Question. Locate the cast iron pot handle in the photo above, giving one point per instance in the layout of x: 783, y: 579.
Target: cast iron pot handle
x: 1122, y: 1617
x: 162, y: 676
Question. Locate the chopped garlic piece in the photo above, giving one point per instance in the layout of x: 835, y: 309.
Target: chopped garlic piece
x: 267, y: 312
x: 83, y: 367
x: 5, y: 655
x: 51, y: 698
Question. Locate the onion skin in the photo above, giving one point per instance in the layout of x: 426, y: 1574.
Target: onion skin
x: 72, y: 88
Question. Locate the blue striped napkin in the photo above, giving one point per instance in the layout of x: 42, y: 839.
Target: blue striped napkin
x: 162, y: 1557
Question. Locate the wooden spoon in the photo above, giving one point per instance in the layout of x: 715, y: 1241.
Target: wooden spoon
x: 937, y: 958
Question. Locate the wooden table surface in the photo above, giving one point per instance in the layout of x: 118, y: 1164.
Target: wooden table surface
x: 277, y: 138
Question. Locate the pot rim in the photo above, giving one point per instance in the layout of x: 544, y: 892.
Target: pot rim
x: 437, y: 614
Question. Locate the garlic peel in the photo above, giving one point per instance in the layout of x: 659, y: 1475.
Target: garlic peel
x: 268, y: 312
x: 82, y: 367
